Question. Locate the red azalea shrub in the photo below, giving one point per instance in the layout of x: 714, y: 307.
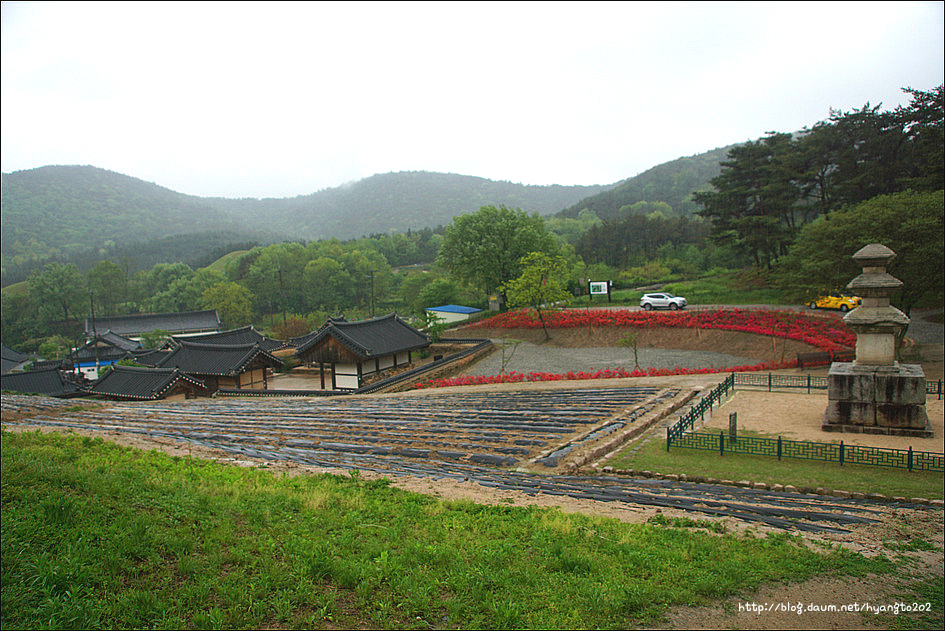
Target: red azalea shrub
x: 608, y: 373
x: 827, y: 333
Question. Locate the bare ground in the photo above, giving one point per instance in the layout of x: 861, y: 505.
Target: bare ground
x: 760, y: 347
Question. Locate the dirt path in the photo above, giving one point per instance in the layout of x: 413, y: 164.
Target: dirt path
x: 798, y: 417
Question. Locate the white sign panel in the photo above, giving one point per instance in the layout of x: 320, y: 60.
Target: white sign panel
x: 599, y: 288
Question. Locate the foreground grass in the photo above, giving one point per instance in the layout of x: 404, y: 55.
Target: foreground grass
x: 96, y: 535
x: 653, y: 456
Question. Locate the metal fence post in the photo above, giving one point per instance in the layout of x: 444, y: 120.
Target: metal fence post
x: 769, y: 382
x: 779, y: 447
x: 808, y: 383
x: 910, y: 458
x: 721, y: 443
x: 841, y: 453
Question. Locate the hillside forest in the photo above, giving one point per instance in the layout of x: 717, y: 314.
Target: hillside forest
x: 783, y: 212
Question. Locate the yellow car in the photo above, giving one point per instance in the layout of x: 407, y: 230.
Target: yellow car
x: 843, y: 302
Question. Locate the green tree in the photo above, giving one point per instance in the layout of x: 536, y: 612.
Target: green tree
x: 925, y: 125
x: 543, y: 284
x: 332, y: 286
x: 55, y: 347
x: 909, y: 223
x: 441, y: 291
x: 59, y: 294
x: 754, y: 206
x: 233, y: 302
x: 107, y: 283
x: 186, y: 293
x: 18, y: 319
x: 155, y: 338
x: 485, y: 248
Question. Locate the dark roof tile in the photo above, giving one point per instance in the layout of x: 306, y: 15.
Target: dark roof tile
x: 377, y: 337
x: 174, y: 323
x: 131, y: 382
x: 216, y: 359
x: 244, y: 335
x: 50, y: 382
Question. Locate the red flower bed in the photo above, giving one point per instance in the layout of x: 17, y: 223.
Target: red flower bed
x: 609, y: 373
x: 829, y: 334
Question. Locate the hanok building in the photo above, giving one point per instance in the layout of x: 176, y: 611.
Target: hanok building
x: 244, y: 335
x: 105, y: 349
x: 12, y: 360
x: 354, y: 352
x: 51, y: 382
x: 124, y: 383
x: 238, y: 366
x: 182, y: 324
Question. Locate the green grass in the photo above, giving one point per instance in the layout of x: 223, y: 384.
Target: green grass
x: 17, y: 289
x: 653, y: 456
x: 97, y: 535
x: 729, y: 287
x: 220, y: 264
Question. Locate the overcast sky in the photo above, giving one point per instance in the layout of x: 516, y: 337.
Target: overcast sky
x: 277, y: 100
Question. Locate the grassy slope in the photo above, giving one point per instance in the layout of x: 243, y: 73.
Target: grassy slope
x: 801, y: 473
x: 219, y: 265
x: 95, y: 535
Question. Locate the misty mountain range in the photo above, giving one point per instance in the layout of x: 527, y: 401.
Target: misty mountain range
x: 60, y: 212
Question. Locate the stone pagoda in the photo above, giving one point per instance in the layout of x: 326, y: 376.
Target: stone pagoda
x: 875, y: 393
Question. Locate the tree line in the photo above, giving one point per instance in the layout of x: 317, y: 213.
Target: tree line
x: 769, y: 189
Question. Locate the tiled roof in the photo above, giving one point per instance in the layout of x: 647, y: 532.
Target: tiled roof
x: 244, y: 335
x: 377, y: 337
x: 303, y: 340
x: 174, y: 323
x: 11, y: 359
x: 111, y: 346
x: 50, y: 364
x: 216, y: 359
x: 50, y: 382
x: 130, y: 382
x: 150, y: 356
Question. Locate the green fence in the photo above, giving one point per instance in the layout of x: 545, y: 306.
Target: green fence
x: 772, y: 382
x: 807, y: 450
x: 680, y: 434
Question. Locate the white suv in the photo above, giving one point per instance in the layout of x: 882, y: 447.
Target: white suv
x: 662, y: 301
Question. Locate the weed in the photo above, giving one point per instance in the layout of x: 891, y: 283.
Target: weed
x: 687, y: 522
x: 912, y: 545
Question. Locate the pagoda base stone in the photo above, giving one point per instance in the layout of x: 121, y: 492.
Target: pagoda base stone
x: 880, y: 401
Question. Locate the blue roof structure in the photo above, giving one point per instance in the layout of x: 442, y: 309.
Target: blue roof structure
x: 455, y: 309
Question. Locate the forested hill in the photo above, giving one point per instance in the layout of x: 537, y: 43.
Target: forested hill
x: 82, y: 213
x: 71, y: 208
x: 77, y: 213
x: 398, y: 201
x: 671, y: 182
